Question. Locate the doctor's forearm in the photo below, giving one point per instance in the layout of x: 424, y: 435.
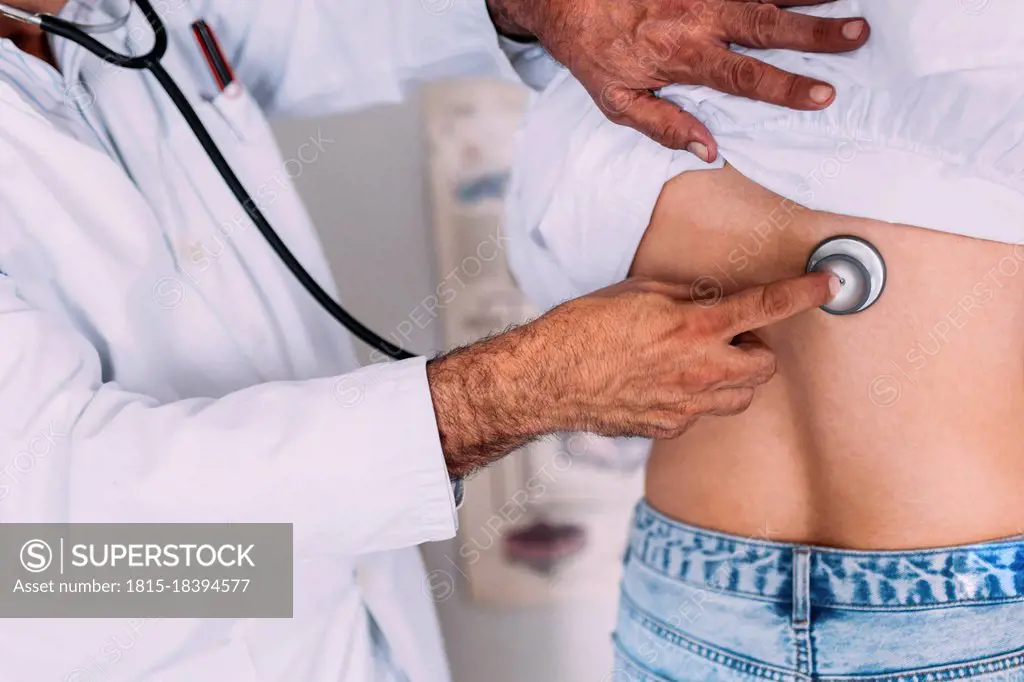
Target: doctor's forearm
x: 484, y: 399
x: 640, y: 358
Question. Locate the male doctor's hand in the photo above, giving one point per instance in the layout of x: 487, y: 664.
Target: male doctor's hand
x: 624, y: 50
x: 641, y: 358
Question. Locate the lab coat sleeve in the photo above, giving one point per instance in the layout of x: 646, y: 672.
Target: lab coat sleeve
x: 354, y: 462
x: 316, y: 57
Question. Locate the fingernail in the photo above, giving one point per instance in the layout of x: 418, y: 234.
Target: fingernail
x: 835, y: 285
x: 699, y: 150
x: 822, y: 94
x: 853, y: 30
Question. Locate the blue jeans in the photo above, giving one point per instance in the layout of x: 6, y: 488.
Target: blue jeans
x: 699, y: 605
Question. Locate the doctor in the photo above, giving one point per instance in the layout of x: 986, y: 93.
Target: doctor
x: 158, y: 364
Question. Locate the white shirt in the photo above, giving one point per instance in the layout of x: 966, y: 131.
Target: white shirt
x: 178, y: 373
x: 927, y: 129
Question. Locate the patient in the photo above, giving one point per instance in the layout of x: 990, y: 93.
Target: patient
x: 863, y: 519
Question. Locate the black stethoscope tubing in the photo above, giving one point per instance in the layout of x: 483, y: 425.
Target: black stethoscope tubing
x: 151, y: 62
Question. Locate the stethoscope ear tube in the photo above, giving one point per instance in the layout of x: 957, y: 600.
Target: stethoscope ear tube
x: 37, y: 18
x: 70, y: 31
x: 151, y: 62
x: 21, y: 15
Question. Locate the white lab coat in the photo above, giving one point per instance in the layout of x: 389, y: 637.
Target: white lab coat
x: 159, y: 364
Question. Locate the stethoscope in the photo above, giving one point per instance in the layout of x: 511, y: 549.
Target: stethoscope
x: 860, y: 268
x: 80, y: 34
x: 857, y: 263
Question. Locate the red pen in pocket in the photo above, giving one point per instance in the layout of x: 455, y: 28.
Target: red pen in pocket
x: 218, y: 63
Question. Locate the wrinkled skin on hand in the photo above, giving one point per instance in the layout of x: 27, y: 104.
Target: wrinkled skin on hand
x: 640, y: 358
x: 624, y: 51
x: 645, y: 358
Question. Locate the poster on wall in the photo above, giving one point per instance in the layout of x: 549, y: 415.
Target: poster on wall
x: 548, y: 523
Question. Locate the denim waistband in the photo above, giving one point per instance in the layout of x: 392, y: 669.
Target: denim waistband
x: 984, y: 573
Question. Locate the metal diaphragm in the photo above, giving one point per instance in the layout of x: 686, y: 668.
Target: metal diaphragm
x: 859, y: 267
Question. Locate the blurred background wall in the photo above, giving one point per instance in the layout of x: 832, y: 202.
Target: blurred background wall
x: 368, y: 193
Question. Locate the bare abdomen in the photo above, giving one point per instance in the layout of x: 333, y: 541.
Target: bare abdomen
x: 899, y: 427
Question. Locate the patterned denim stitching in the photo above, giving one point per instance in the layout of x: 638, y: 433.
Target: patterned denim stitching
x: 703, y: 650
x: 930, y: 606
x: 825, y: 602
x: 633, y: 665
x: 634, y: 556
x: 803, y: 652
x: 659, y: 529
x: 1002, y: 663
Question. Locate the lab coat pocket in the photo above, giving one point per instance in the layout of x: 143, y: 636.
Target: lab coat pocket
x: 238, y: 110
x: 256, y: 154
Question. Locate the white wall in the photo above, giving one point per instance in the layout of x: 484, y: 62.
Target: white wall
x: 368, y: 196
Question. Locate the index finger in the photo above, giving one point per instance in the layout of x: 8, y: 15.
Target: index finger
x: 760, y: 25
x: 764, y: 305
x: 738, y: 74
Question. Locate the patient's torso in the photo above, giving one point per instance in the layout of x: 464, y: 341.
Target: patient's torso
x: 899, y: 427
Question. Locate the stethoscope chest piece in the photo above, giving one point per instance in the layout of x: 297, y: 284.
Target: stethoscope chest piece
x: 860, y: 269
